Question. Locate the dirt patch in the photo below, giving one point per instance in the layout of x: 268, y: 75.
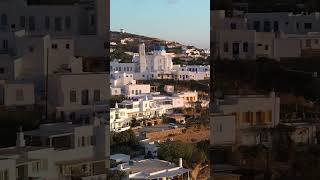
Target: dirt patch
x: 191, y: 135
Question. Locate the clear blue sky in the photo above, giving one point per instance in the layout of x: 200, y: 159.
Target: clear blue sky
x: 185, y: 21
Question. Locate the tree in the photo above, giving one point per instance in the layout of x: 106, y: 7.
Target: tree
x: 125, y: 142
x: 116, y: 175
x: 173, y: 150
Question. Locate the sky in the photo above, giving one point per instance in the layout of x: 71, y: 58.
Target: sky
x: 184, y: 21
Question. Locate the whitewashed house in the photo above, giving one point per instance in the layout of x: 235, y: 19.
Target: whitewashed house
x: 17, y: 94
x: 240, y: 119
x: 154, y: 169
x: 58, y: 151
x: 73, y: 96
x: 269, y: 35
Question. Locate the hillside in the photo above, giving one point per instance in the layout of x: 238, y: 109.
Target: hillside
x: 132, y: 44
x: 122, y: 43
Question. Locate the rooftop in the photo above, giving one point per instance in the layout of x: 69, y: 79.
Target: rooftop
x: 54, y: 129
x: 14, y: 150
x: 152, y: 169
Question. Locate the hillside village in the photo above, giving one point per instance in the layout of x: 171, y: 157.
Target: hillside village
x: 153, y: 104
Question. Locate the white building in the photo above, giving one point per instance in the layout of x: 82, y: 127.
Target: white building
x: 59, y: 19
x: 126, y: 83
x: 58, y: 151
x: 192, y: 72
x: 134, y: 90
x: 192, y: 52
x: 73, y: 96
x: 270, y: 35
x: 157, y: 65
x: 150, y: 147
x: 17, y: 94
x: 148, y: 106
x: 238, y: 117
x: 155, y: 169
x: 115, y: 91
x: 124, y: 112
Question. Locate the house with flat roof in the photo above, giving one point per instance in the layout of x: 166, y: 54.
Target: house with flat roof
x: 58, y: 151
x: 240, y: 120
x: 155, y: 169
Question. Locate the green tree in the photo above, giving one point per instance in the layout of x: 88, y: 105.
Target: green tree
x: 116, y: 175
x: 173, y: 150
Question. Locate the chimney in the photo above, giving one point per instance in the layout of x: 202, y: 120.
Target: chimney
x: 20, y: 142
x: 180, y: 162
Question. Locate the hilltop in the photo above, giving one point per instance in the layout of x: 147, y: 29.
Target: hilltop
x: 123, y: 45
x: 132, y: 41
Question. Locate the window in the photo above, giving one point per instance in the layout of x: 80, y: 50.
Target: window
x: 308, y: 43
x: 316, y: 41
x: 58, y: 24
x: 4, y: 20
x: 96, y: 95
x: 226, y: 47
x: 233, y: 26
x: 139, y: 91
x: 92, y: 20
x: 82, y: 141
x: 245, y: 47
x: 5, y: 45
x: 136, y: 92
x: 22, y: 21
x: 35, y: 166
x: 4, y: 174
x: 54, y: 46
x: 260, y: 117
x: 275, y: 26
x: 267, y: 26
x: 92, y: 141
x: 307, y: 25
x: 19, y: 95
x: 67, y: 22
x: 73, y: 96
x: 67, y: 46
x: 85, y: 97
x: 2, y: 70
x: 245, y: 117
x: 47, y: 22
x: 31, y: 49
x: 32, y: 23
x: 256, y: 26
x: 269, y: 116
x: 266, y: 47
x: 297, y: 25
